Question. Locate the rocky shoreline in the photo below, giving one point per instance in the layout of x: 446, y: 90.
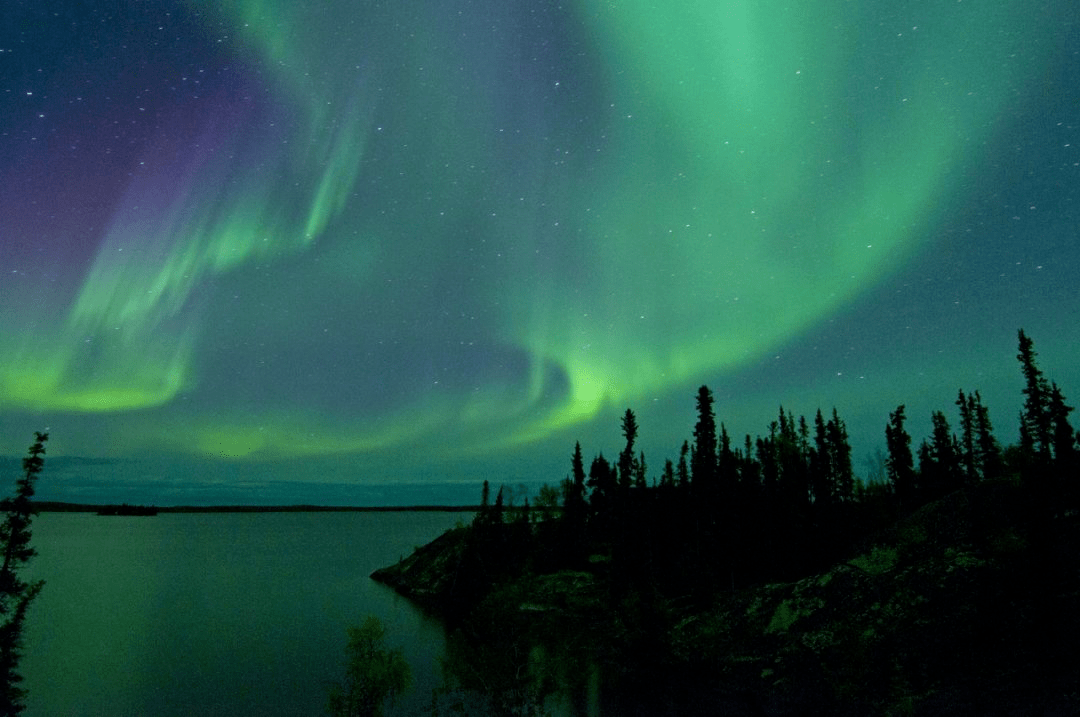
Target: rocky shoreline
x: 947, y: 613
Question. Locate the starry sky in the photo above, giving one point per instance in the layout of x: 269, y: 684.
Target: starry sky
x: 353, y: 251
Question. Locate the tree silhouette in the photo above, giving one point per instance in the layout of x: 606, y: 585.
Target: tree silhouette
x: 779, y: 508
x: 604, y: 483
x: 940, y: 469
x: 682, y: 470
x: 1035, y: 421
x: 667, y: 477
x: 627, y: 462
x: 374, y: 674
x: 967, y: 437
x: 1064, y: 438
x: 574, y: 515
x: 577, y: 464
x: 640, y: 468
x: 987, y: 450
x: 843, y: 471
x: 703, y: 454
x: 821, y: 464
x: 727, y: 469
x: 485, y: 497
x: 900, y: 465
x: 1047, y: 440
x: 16, y: 593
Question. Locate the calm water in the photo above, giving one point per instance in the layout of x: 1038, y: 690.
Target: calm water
x: 216, y: 614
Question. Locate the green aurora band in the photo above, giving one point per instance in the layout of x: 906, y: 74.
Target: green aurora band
x: 758, y: 165
x: 785, y: 169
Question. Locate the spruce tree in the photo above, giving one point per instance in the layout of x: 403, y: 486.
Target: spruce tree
x: 1036, y: 421
x: 987, y: 449
x: 966, y: 405
x: 16, y: 594
x: 498, y: 509
x: 1064, y: 437
x: 928, y: 477
x: 750, y: 474
x: 604, y: 482
x: 483, y: 516
x: 574, y: 509
x: 1047, y: 440
x: 703, y: 458
x: 794, y: 482
x: 765, y: 450
x: 626, y: 458
x: 640, y: 468
x: 1064, y: 440
x: 821, y: 464
x: 682, y: 470
x: 726, y: 466
x: 842, y: 470
x: 900, y: 466
x: 942, y: 474
x: 667, y: 477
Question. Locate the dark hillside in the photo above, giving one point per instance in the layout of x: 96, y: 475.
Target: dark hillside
x: 767, y: 578
x: 971, y: 605
x: 428, y: 576
x: 946, y: 614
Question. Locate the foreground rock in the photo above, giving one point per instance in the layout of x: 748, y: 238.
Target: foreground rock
x: 427, y: 576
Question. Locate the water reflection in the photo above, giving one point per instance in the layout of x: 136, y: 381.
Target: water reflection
x: 509, y: 676
x: 555, y: 673
x: 224, y: 614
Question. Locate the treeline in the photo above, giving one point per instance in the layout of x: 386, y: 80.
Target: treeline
x: 772, y: 507
x: 125, y: 509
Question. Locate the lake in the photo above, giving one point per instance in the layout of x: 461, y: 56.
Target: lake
x: 216, y: 613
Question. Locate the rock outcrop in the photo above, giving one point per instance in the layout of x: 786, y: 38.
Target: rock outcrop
x: 428, y: 576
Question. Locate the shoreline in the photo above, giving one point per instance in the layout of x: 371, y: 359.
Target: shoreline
x: 864, y: 635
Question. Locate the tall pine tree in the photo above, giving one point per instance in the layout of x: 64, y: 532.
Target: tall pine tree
x: 842, y: 470
x: 627, y: 462
x: 16, y: 593
x: 939, y: 462
x: 967, y: 437
x: 1035, y: 421
x: 900, y: 466
x: 987, y: 449
x: 703, y: 455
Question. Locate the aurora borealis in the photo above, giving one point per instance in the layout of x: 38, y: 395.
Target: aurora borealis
x: 261, y: 243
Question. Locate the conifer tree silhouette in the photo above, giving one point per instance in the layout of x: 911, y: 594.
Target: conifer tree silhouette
x: 900, y: 465
x: 16, y: 593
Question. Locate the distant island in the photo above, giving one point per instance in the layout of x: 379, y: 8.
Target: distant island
x: 129, y: 510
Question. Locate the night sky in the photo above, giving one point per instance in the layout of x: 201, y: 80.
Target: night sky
x: 333, y: 251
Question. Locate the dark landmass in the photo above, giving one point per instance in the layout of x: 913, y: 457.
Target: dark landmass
x: 768, y: 579
x: 124, y: 509
x: 970, y: 605
x: 62, y: 507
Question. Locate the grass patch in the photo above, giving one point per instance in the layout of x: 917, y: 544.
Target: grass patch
x: 879, y: 560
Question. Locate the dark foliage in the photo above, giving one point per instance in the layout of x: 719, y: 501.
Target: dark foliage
x: 16, y: 593
x: 971, y: 534
x: 374, y: 674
